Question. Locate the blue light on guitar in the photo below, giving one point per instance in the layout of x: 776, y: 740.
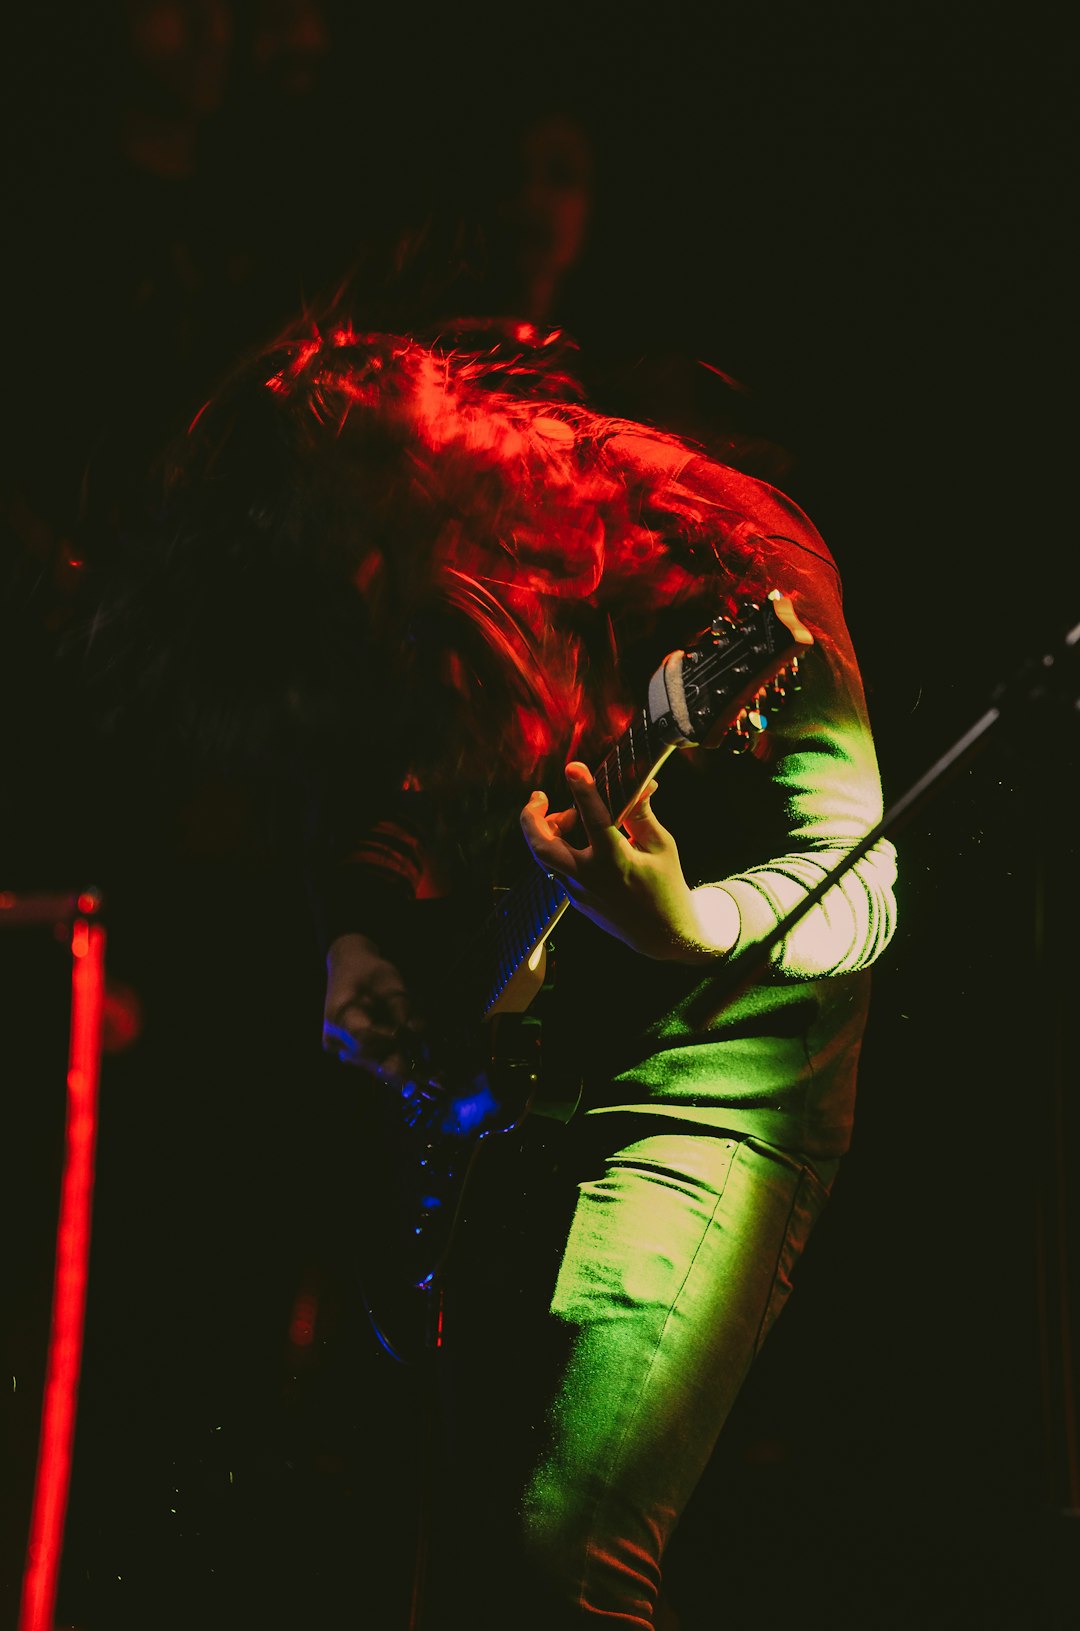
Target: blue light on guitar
x: 466, y: 1114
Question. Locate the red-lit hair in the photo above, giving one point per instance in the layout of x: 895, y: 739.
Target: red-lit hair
x: 509, y: 562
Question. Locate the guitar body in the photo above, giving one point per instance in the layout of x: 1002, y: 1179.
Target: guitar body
x: 479, y: 1071
x: 435, y: 1122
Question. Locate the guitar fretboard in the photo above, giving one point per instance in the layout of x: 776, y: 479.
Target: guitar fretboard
x: 629, y: 765
x: 720, y: 680
x: 528, y: 911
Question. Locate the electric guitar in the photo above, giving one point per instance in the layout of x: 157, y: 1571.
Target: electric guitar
x: 473, y: 1080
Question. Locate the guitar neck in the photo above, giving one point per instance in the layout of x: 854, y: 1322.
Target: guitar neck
x: 631, y: 765
x: 715, y: 689
x: 528, y: 912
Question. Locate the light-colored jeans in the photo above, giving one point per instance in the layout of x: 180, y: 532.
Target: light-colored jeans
x: 678, y: 1261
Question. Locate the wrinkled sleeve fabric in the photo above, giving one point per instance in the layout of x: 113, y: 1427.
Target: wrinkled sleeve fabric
x: 822, y: 760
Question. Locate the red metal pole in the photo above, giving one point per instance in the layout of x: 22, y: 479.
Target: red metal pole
x: 53, y: 1476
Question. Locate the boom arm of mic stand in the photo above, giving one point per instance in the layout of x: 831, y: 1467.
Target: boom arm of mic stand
x: 1035, y: 682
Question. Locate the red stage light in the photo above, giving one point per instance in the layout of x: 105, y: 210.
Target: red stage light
x: 53, y: 1476
x: 304, y: 1314
x: 122, y: 1018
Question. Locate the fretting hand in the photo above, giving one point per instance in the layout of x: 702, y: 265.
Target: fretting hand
x: 629, y: 881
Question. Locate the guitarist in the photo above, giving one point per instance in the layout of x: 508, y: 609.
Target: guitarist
x: 521, y: 564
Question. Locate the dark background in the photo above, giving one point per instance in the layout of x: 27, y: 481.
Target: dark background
x: 860, y: 213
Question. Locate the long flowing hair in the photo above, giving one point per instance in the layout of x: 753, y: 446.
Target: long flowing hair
x: 423, y: 554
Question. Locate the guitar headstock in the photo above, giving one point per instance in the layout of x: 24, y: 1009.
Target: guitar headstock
x: 732, y: 678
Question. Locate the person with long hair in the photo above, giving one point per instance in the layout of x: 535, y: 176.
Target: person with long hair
x: 451, y: 580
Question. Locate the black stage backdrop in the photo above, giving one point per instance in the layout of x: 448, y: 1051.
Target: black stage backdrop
x: 860, y: 214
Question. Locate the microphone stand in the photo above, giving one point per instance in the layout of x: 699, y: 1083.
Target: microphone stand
x: 1039, y: 682
x: 1049, y: 686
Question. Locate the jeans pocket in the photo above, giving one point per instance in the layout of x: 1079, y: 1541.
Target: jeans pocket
x: 808, y: 1197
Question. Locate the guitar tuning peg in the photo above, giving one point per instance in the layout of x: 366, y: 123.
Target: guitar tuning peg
x: 758, y: 720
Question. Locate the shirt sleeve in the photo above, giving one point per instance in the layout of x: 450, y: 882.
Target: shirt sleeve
x: 824, y: 771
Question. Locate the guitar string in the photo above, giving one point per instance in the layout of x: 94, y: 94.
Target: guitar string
x: 521, y: 921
